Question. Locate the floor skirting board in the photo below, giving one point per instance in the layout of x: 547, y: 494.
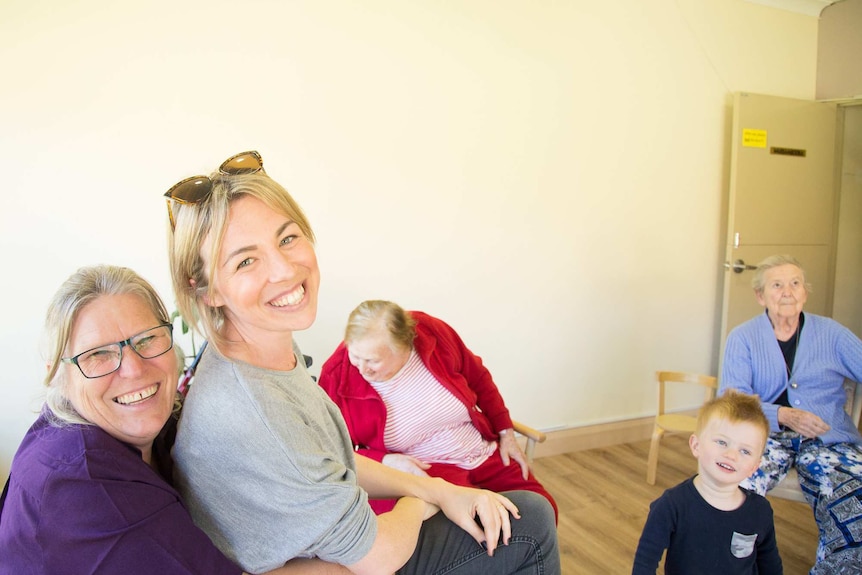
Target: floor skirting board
x: 593, y: 436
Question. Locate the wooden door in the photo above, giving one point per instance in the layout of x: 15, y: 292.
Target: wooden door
x: 782, y: 198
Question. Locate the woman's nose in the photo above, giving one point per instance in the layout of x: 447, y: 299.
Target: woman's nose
x: 131, y: 364
x: 281, y: 267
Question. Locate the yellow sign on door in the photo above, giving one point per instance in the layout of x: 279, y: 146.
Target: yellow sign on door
x: 753, y: 138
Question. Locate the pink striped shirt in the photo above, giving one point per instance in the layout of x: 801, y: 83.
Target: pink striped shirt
x: 425, y: 420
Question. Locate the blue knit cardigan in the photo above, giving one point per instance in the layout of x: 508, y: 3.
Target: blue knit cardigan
x: 827, y: 353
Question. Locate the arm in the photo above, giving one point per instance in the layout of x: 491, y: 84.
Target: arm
x: 738, y: 369
x: 478, y: 379
x: 768, y: 559
x: 655, y: 538
x: 828, y: 353
x: 462, y: 505
x: 308, y: 567
x: 365, y: 417
x: 510, y: 450
x: 397, y: 534
x: 801, y: 421
x: 461, y: 371
x: 406, y: 463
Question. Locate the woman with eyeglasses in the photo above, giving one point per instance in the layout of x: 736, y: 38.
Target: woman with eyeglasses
x: 263, y: 456
x: 89, y: 490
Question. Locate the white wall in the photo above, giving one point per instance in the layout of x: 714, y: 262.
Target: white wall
x: 548, y: 177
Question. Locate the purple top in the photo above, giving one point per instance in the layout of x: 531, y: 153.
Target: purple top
x: 80, y: 501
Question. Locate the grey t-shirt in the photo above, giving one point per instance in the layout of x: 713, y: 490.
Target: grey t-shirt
x: 266, y: 466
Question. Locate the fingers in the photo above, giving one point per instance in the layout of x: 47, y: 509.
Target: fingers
x: 495, y: 522
x: 506, y: 524
x: 464, y: 505
x: 821, y: 425
x: 804, y: 422
x: 510, y: 507
x: 475, y: 532
x: 492, y: 522
x: 406, y: 463
x: 813, y: 425
x: 494, y: 513
x: 519, y: 456
x: 525, y: 469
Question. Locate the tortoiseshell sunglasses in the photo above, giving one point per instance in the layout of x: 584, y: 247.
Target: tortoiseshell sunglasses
x: 196, y: 189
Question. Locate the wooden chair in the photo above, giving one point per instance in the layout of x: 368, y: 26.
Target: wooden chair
x: 789, y: 488
x: 533, y: 436
x: 674, y: 422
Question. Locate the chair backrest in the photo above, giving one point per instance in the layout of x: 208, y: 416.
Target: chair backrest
x: 708, y: 382
x: 854, y: 400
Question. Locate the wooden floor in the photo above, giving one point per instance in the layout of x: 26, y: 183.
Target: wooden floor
x: 604, y: 499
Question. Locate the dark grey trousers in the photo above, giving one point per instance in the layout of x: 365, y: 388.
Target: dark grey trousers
x: 446, y: 549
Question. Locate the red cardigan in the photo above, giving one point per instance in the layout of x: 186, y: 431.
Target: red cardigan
x: 446, y: 356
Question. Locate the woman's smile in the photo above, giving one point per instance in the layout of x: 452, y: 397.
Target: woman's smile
x: 137, y: 396
x: 292, y: 298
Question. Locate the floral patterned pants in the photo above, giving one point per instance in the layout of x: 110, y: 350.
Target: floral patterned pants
x: 831, y: 479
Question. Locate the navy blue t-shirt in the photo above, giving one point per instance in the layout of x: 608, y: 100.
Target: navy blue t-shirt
x: 702, y: 539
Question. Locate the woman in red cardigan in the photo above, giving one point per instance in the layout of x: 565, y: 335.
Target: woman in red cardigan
x: 417, y: 399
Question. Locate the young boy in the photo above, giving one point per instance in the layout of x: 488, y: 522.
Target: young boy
x: 707, y: 523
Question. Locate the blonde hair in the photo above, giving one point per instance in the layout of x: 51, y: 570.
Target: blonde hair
x: 372, y: 316
x: 82, y: 288
x: 193, y: 283
x: 735, y: 407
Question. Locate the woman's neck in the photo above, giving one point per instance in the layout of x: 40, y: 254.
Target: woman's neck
x: 270, y: 351
x: 784, y: 327
x: 147, y: 456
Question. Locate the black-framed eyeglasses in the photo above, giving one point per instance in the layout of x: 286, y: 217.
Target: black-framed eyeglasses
x: 196, y: 189
x: 105, y: 359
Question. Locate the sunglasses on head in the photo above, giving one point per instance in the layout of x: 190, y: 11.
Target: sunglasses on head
x: 196, y: 189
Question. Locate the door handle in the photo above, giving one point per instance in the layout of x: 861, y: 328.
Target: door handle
x: 738, y: 266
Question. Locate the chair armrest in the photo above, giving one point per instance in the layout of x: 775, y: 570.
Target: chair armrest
x: 533, y: 436
x: 529, y: 432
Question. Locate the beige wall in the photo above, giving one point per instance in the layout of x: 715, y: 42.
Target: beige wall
x: 548, y: 177
x: 839, y: 44
x: 847, y: 308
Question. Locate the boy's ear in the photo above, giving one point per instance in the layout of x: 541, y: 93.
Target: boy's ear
x: 694, y: 444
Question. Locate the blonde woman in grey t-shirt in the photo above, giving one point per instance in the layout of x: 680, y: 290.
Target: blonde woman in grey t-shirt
x: 262, y: 456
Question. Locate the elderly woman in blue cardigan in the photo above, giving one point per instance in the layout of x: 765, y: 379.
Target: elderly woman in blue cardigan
x: 796, y: 363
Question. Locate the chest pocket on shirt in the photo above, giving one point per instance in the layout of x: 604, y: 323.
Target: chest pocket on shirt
x: 742, y: 545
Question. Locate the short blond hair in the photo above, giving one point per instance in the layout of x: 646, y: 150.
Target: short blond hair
x: 373, y: 316
x: 735, y: 407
